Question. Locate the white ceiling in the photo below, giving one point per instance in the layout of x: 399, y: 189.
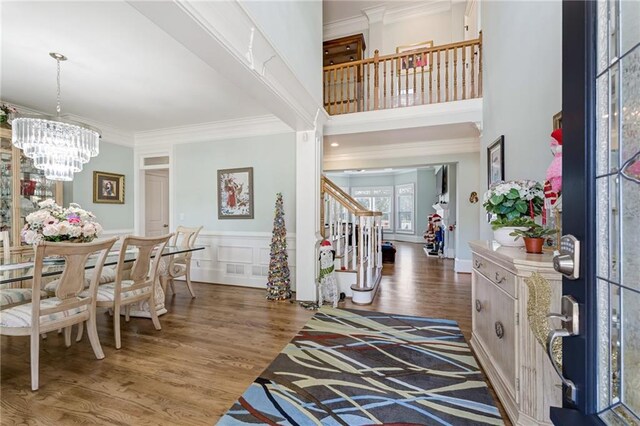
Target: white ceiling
x: 337, y: 10
x: 349, y: 142
x: 122, y: 70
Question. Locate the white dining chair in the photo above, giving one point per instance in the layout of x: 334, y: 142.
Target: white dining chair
x: 71, y: 305
x: 180, y: 264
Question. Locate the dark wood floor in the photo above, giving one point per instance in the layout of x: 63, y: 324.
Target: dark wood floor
x: 209, y: 350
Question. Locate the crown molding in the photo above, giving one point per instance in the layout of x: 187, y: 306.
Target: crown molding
x: 374, y: 14
x: 108, y: 133
x: 402, y: 13
x: 408, y: 150
x: 213, y: 131
x: 387, y: 14
x: 344, y: 27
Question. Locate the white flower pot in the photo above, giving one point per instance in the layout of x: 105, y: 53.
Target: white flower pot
x: 501, y: 235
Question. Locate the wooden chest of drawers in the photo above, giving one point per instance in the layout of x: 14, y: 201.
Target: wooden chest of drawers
x: 515, y: 363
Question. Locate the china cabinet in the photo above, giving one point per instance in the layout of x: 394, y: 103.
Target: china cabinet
x: 21, y: 188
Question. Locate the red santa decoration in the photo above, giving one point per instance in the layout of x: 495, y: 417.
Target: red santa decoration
x: 553, y: 185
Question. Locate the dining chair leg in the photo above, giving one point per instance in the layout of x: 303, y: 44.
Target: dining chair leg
x: 116, y: 325
x: 92, y: 332
x: 35, y: 355
x: 154, y: 314
x: 67, y: 336
x: 80, y: 331
x: 173, y: 290
x: 126, y: 313
x: 188, y: 277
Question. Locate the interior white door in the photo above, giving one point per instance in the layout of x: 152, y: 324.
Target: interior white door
x: 156, y: 202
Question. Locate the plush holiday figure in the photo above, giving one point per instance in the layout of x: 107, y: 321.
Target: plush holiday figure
x: 553, y: 186
x: 430, y: 234
x: 328, y: 285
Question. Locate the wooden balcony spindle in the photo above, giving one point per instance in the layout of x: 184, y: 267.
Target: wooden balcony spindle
x: 430, y: 77
x: 480, y: 64
x: 455, y: 74
x: 446, y: 75
x: 368, y: 87
x: 422, y: 80
x: 341, y: 90
x: 464, y: 72
x: 473, y: 72
x: 384, y: 84
x: 413, y: 89
x: 438, y: 77
x: 391, y: 83
x: 406, y: 81
x: 376, y: 79
x: 335, y: 90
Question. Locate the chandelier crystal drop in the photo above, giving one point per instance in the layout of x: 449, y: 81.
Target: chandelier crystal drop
x: 58, y: 146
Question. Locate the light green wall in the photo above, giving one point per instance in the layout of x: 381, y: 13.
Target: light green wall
x: 112, y: 159
x: 274, y: 170
x: 426, y: 196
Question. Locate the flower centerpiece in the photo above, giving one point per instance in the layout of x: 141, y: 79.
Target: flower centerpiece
x: 514, y: 205
x: 57, y: 224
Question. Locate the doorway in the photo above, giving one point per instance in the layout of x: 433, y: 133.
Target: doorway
x: 156, y: 184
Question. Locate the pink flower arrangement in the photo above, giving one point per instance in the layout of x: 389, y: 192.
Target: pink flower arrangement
x: 54, y: 223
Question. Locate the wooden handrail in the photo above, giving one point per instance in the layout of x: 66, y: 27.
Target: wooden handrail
x: 442, y: 47
x: 452, y: 72
x: 346, y: 200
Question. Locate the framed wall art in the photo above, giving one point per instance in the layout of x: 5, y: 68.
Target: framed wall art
x: 413, y: 60
x: 235, y: 193
x: 495, y: 161
x: 108, y: 188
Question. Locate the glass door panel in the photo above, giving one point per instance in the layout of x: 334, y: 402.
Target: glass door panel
x: 618, y: 193
x: 34, y: 187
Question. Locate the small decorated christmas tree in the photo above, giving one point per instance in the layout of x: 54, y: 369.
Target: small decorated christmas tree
x: 278, y: 287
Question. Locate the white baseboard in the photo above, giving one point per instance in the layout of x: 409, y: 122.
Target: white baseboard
x: 463, y: 266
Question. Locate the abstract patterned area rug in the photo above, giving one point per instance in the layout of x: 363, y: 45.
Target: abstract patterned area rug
x: 348, y: 367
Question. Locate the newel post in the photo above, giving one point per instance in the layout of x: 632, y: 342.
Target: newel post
x: 376, y: 79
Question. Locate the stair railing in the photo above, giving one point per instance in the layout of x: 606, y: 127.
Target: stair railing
x: 341, y: 216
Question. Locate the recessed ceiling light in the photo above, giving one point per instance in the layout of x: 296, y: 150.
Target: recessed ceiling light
x: 334, y: 144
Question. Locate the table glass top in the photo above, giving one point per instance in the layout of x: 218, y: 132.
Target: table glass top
x: 20, y: 267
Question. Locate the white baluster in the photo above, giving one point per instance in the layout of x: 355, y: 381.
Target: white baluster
x: 361, y: 251
x: 354, y: 258
x: 369, y: 251
x: 379, y: 229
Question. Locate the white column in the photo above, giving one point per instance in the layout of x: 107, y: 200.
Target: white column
x: 308, y: 171
x: 375, y: 16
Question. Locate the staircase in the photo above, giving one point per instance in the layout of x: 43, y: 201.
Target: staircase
x: 356, y: 236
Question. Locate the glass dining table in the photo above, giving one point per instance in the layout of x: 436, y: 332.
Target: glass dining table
x: 20, y: 268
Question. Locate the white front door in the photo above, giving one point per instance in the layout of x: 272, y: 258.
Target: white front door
x: 156, y: 202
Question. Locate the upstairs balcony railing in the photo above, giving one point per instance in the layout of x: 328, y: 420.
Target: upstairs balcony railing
x: 449, y: 72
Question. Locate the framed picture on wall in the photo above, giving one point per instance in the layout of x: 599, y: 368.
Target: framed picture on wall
x: 235, y: 193
x: 495, y: 161
x: 108, y: 188
x: 557, y: 121
x: 413, y: 60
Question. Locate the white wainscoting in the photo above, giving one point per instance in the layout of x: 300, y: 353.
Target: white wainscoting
x: 237, y: 258
x: 110, y: 233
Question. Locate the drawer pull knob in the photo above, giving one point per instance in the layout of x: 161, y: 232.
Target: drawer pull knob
x: 478, y: 264
x: 499, y: 330
x: 478, y: 306
x: 500, y: 279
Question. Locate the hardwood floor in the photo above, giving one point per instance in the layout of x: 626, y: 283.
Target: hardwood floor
x: 208, y: 352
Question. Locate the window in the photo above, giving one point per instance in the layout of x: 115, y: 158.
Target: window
x: 378, y: 199
x: 405, y: 205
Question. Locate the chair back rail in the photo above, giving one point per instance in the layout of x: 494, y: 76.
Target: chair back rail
x: 144, y: 270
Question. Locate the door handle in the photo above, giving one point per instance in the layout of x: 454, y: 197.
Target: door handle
x: 570, y: 319
x: 165, y: 226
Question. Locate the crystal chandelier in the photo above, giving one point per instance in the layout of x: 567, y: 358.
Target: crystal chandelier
x: 58, y: 146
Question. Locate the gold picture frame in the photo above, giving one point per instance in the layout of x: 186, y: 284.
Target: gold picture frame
x: 557, y: 121
x: 108, y: 188
x: 413, y: 61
